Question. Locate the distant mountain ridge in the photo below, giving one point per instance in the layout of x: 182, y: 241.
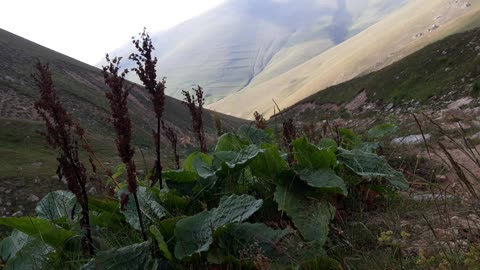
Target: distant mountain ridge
x: 239, y: 42
x: 406, y: 30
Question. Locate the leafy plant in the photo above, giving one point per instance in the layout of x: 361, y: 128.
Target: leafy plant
x: 219, y: 208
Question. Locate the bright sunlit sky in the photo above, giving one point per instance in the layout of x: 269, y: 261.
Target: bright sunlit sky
x: 87, y: 29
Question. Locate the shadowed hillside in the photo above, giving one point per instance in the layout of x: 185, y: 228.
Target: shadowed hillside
x: 81, y: 89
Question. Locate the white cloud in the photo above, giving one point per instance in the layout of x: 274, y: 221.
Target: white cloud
x: 87, y: 29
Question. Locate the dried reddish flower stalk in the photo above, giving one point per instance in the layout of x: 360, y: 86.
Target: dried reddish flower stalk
x: 289, y: 134
x: 173, y: 139
x: 118, y: 97
x: 147, y: 72
x: 260, y: 122
x: 194, y: 104
x: 60, y: 135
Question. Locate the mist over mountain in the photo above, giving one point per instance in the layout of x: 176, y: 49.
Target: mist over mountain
x: 225, y: 49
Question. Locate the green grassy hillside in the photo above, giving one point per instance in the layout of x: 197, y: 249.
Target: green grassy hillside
x: 449, y: 65
x: 402, y: 32
x: 81, y: 88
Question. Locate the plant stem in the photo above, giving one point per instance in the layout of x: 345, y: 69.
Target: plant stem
x: 140, y: 219
x: 159, y: 164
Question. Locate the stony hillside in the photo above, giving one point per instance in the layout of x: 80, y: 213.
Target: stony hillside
x: 251, y: 41
x: 409, y: 28
x: 81, y: 88
x: 443, y: 75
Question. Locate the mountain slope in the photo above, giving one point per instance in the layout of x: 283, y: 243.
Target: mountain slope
x: 247, y: 41
x: 433, y: 77
x: 409, y: 28
x: 82, y: 90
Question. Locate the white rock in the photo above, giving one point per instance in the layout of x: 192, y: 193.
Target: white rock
x: 17, y: 214
x: 33, y: 198
x: 411, y: 140
x: 432, y: 197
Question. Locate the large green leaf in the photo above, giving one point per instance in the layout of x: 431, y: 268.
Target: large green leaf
x: 349, y: 139
x: 269, y: 163
x: 105, y: 212
x: 137, y: 256
x: 254, y: 135
x: 194, y: 234
x: 42, y: 229
x: 26, y: 253
x: 233, y: 162
x: 181, y: 180
x: 152, y: 211
x: 247, y: 239
x: 328, y: 143
x: 162, y: 246
x: 324, y: 179
x: 103, y: 204
x: 181, y: 176
x: 230, y: 142
x: 12, y: 244
x: 311, y: 217
x: 308, y: 155
x: 372, y: 166
x: 188, y: 163
x: 56, y: 205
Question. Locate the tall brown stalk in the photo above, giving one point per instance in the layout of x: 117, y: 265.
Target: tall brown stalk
x: 173, y: 139
x: 195, y: 104
x: 118, y: 98
x: 147, y: 72
x: 289, y: 134
x: 60, y: 135
x: 260, y: 122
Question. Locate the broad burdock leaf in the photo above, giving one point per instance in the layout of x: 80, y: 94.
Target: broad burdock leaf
x: 40, y: 228
x: 269, y: 163
x: 247, y: 239
x: 56, y: 205
x: 195, y: 234
x: 230, y: 142
x: 181, y: 180
x: 370, y: 165
x: 310, y: 156
x: 133, y: 257
x: 188, y: 162
x: 21, y: 252
x: 233, y: 162
x: 310, y: 216
x: 254, y: 135
x: 180, y: 176
x: 151, y: 210
x: 12, y: 244
x: 328, y: 143
x: 323, y: 179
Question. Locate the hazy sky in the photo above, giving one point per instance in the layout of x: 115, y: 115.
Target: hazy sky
x: 87, y: 29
